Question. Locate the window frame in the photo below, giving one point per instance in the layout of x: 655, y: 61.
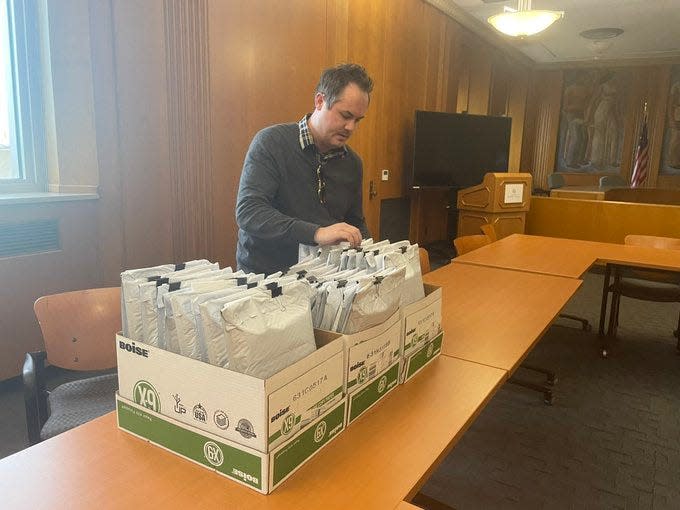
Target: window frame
x: 27, y: 111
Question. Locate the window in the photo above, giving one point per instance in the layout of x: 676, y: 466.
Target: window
x: 22, y: 133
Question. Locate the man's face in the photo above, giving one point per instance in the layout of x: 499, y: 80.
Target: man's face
x: 335, y: 125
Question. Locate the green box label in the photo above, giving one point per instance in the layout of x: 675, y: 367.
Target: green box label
x: 374, y: 391
x: 307, y: 443
x: 230, y: 461
x: 424, y: 355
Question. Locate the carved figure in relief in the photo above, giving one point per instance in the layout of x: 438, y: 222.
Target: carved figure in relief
x: 604, y: 126
x: 673, y: 154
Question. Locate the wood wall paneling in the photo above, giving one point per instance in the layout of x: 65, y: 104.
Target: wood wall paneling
x: 656, y: 96
x: 548, y: 97
x: 481, y: 65
x: 264, y: 66
x: 188, y: 84
x: 366, y: 35
x: 517, y: 100
x: 499, y: 94
x: 463, y: 73
x: 453, y: 66
x: 337, y: 28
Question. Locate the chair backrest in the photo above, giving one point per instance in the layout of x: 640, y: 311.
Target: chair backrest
x: 465, y: 244
x: 612, y: 181
x: 667, y: 243
x: 490, y: 231
x: 424, y: 260
x: 555, y: 181
x: 79, y: 328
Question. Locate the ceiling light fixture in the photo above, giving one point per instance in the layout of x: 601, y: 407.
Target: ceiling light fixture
x: 524, y: 21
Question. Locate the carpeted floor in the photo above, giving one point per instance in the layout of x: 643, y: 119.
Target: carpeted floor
x: 611, y: 439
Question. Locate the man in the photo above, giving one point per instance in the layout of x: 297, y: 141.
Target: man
x: 300, y: 183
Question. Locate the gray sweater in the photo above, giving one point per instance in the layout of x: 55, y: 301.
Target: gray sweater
x: 278, y: 205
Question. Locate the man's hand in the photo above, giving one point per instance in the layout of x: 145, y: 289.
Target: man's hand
x: 336, y: 233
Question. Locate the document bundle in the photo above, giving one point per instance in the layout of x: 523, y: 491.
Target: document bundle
x: 258, y: 325
x: 360, y: 288
x: 244, y: 322
x: 250, y: 375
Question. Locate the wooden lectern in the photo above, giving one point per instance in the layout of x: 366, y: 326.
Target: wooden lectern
x: 502, y: 199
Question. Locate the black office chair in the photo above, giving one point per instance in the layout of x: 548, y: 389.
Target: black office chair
x: 79, y: 329
x: 642, y: 284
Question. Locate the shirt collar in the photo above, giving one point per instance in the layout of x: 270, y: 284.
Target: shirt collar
x: 306, y: 140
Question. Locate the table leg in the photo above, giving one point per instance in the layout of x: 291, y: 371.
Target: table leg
x: 604, y: 339
x: 605, y: 298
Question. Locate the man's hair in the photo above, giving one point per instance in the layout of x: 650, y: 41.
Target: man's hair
x: 334, y: 80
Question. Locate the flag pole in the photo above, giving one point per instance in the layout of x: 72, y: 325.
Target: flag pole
x: 641, y: 155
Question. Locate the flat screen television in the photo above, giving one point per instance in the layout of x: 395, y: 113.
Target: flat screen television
x: 455, y: 150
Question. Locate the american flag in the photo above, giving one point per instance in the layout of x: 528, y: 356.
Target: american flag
x: 641, y: 159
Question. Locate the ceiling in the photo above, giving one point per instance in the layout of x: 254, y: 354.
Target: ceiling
x: 651, y: 28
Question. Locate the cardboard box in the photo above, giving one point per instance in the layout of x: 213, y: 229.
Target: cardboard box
x: 259, y: 414
x: 422, y: 331
x: 373, y: 365
x: 262, y: 472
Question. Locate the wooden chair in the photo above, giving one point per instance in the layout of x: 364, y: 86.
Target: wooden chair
x: 490, y: 232
x: 465, y: 244
x: 642, y: 284
x: 79, y: 330
x: 424, y: 260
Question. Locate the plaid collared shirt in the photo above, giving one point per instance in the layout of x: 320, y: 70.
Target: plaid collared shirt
x: 306, y: 140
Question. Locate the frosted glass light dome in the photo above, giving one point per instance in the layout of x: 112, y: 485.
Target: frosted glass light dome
x: 525, y: 21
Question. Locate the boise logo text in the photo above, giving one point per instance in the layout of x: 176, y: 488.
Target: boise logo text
x: 146, y: 395
x: 281, y: 413
x: 134, y: 349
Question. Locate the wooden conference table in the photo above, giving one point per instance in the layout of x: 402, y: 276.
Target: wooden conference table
x: 492, y: 318
x: 565, y: 257
x: 381, y: 459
